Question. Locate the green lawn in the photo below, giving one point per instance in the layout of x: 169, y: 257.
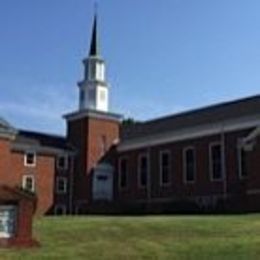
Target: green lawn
x: 159, y: 237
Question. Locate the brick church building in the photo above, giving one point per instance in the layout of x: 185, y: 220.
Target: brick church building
x: 204, y: 159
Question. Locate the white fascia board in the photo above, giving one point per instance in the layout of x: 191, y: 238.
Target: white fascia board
x: 94, y: 114
x: 190, y: 133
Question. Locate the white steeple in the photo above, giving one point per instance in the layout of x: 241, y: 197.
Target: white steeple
x: 93, y: 90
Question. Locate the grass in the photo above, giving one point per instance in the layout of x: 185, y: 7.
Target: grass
x: 151, y: 237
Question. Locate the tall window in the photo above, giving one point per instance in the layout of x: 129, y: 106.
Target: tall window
x: 30, y: 159
x: 165, y: 167
x: 143, y: 170
x: 123, y: 165
x: 216, y: 162
x: 61, y: 185
x: 189, y: 164
x: 28, y: 183
x: 242, y: 167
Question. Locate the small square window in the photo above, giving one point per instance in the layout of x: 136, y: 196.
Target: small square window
x: 28, y: 183
x: 61, y: 185
x: 30, y: 159
x: 62, y: 162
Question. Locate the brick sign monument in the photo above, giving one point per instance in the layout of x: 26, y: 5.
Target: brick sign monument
x: 16, y: 217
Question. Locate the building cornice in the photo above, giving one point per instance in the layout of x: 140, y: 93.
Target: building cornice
x: 93, y: 114
x: 189, y: 133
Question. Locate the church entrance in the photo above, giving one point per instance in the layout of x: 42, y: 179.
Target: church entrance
x: 102, y: 185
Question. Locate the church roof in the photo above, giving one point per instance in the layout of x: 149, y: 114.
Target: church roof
x: 211, y: 114
x: 6, y: 128
x: 40, y: 141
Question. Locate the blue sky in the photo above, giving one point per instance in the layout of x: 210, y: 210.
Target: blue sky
x: 162, y: 56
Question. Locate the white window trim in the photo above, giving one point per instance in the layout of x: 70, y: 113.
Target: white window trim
x: 184, y: 156
x: 217, y: 143
x: 60, y: 206
x: 239, y: 160
x: 160, y: 168
x: 24, y: 181
x: 25, y: 159
x: 139, y: 169
x: 66, y: 162
x: 64, y: 179
x: 119, y: 171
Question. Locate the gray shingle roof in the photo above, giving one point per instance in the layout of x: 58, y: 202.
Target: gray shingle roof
x: 4, y: 123
x: 43, y: 140
x: 214, y: 113
x: 6, y: 127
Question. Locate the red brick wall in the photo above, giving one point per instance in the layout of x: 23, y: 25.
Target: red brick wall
x: 203, y: 185
x: 97, y: 129
x: 85, y: 134
x: 5, y: 162
x: 24, y: 227
x: 12, y: 170
x: 77, y: 135
x: 44, y: 174
x: 65, y: 198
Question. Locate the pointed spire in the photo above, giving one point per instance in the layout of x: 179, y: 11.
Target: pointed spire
x: 94, y: 40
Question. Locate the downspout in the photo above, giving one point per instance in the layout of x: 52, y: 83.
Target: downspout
x: 223, y: 161
x: 71, y: 185
x: 149, y: 175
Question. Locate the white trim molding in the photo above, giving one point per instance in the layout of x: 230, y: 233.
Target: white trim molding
x: 28, y: 153
x: 240, y: 153
x: 190, y: 133
x: 24, y: 182
x: 91, y: 113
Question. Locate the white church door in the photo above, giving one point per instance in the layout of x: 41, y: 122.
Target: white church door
x: 7, y: 221
x: 103, y: 182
